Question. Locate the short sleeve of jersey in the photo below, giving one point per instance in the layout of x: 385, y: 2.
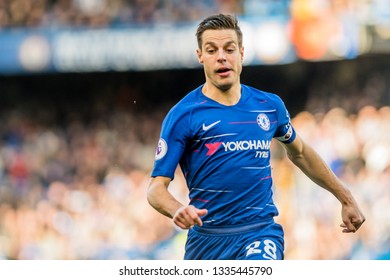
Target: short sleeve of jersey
x: 172, y: 142
x: 285, y: 132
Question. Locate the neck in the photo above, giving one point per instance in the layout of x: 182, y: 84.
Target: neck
x: 229, y: 97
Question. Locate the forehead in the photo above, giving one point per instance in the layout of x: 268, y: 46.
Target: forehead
x: 219, y: 37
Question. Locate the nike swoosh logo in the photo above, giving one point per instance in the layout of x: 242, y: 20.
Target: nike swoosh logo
x: 207, y: 127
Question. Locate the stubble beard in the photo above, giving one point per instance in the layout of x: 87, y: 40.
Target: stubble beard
x: 225, y: 87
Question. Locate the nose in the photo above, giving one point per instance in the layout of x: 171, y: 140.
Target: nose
x: 221, y: 55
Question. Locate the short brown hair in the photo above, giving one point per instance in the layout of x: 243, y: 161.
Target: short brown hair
x: 218, y: 22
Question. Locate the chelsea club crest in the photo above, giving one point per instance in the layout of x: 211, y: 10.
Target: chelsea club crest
x: 263, y: 121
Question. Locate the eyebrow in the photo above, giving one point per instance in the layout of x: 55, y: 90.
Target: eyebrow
x: 232, y: 42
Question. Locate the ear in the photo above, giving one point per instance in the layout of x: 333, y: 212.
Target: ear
x: 242, y: 54
x: 200, y: 57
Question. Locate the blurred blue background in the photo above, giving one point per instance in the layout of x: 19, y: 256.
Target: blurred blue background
x: 85, y: 84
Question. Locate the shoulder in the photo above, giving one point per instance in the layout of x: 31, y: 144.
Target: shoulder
x: 183, y: 109
x: 188, y: 101
x: 263, y: 96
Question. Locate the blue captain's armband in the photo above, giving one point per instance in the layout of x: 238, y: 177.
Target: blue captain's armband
x: 287, y: 133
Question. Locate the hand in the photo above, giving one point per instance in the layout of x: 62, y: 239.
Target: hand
x: 352, y: 219
x: 188, y: 216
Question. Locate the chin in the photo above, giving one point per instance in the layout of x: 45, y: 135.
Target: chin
x: 225, y: 87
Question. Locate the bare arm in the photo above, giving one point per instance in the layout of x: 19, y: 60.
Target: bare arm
x: 162, y: 200
x: 309, y: 161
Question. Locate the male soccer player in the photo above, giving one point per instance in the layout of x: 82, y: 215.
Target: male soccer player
x: 220, y: 134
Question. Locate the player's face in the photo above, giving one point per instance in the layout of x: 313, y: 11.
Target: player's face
x: 221, y: 57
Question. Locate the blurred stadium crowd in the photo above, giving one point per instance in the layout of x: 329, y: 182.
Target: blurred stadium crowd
x: 75, y: 162
x: 100, y: 13
x: 105, y: 13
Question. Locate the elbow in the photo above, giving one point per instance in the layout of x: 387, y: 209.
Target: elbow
x: 150, y: 194
x: 155, y: 190
x: 297, y: 153
x: 295, y: 158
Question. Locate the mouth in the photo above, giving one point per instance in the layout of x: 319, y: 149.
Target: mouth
x: 223, y: 71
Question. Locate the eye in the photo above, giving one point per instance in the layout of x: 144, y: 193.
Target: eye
x: 210, y: 51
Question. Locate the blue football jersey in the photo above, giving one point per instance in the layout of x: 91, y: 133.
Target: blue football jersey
x: 224, y: 153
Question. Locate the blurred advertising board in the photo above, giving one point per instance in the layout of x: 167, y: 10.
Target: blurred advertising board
x: 141, y: 48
